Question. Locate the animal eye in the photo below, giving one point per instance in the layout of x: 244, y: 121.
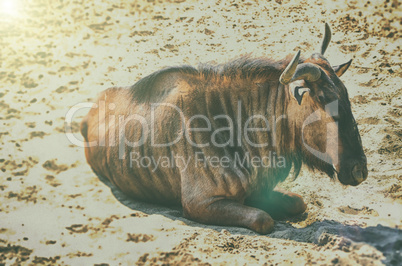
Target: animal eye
x: 321, y: 98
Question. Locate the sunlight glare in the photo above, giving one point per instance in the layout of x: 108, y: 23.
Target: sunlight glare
x: 9, y: 7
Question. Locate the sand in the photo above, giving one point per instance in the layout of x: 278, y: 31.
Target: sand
x: 55, y: 54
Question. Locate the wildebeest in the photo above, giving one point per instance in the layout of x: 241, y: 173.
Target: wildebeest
x: 217, y: 139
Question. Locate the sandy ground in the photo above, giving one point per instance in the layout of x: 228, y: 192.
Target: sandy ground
x: 54, y: 54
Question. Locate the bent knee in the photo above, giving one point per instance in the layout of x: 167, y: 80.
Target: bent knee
x: 262, y: 223
x: 298, y: 205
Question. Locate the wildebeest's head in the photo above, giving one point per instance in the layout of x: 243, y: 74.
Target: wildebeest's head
x: 319, y: 105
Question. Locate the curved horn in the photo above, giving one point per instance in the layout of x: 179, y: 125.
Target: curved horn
x: 327, y: 39
x: 307, y: 71
x: 287, y: 74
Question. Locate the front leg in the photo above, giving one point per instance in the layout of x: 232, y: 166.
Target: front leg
x: 279, y: 203
x: 231, y: 213
x: 212, y: 198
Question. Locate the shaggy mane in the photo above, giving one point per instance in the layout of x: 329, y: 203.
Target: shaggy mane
x: 148, y: 90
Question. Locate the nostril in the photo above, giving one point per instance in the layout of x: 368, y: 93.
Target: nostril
x: 357, y: 173
x: 357, y: 168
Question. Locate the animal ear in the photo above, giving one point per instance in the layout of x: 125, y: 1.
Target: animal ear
x: 298, y: 92
x: 339, y: 70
